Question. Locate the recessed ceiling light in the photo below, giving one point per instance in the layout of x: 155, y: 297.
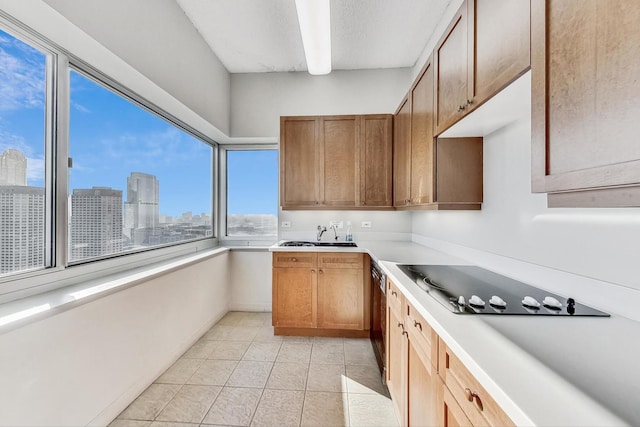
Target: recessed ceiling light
x: 314, y: 17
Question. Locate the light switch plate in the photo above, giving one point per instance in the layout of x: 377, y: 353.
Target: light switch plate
x: 285, y: 224
x: 365, y: 224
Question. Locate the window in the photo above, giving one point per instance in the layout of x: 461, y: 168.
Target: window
x: 136, y: 180
x: 252, y: 193
x: 23, y: 197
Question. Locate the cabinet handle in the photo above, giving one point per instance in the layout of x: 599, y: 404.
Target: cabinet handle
x: 461, y: 108
x: 417, y: 324
x: 473, y: 397
x: 468, y: 394
x: 405, y: 333
x: 401, y: 325
x: 469, y: 101
x: 478, y: 402
x: 394, y: 293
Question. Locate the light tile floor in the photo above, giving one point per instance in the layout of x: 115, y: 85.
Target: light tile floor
x: 240, y: 374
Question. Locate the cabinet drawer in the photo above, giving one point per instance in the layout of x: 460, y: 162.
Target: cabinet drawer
x: 395, y: 299
x: 295, y: 259
x: 422, y: 335
x: 340, y: 260
x: 476, y: 403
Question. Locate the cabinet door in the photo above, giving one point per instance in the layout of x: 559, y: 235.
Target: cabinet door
x: 402, y: 154
x: 294, y: 297
x: 502, y: 48
x: 396, y: 363
x: 449, y: 412
x: 459, y: 171
x: 586, y: 101
x: 421, y: 388
x: 376, y: 153
x: 299, y: 161
x: 339, y: 177
x: 454, y: 80
x: 422, y: 155
x: 340, y: 298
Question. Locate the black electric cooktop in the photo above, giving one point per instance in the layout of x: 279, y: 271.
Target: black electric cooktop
x: 474, y: 290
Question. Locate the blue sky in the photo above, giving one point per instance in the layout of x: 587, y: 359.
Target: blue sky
x: 110, y: 137
x: 253, y: 182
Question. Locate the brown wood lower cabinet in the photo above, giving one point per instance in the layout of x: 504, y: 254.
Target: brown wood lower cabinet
x: 449, y: 413
x: 428, y: 384
x: 321, y: 293
x: 396, y: 362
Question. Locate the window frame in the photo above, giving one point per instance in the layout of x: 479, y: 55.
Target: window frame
x: 58, y: 271
x: 103, y: 80
x: 223, y: 191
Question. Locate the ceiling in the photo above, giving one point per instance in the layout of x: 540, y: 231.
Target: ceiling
x: 253, y: 36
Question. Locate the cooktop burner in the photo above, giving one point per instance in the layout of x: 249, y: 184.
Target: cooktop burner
x: 474, y: 290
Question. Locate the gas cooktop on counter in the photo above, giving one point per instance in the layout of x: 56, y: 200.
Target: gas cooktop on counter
x: 474, y: 290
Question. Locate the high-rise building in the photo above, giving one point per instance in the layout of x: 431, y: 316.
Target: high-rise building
x: 96, y: 222
x: 13, y: 168
x: 142, y: 208
x: 22, y: 228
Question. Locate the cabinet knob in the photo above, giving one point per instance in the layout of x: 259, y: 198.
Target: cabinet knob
x: 477, y: 401
x: 417, y: 324
x: 320, y: 271
x: 405, y: 333
x: 294, y: 259
x: 461, y: 108
x: 394, y: 293
x: 313, y: 271
x: 401, y: 325
x: 469, y: 101
x: 468, y: 394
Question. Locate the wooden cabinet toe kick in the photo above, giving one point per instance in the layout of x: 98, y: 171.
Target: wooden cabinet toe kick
x: 319, y: 332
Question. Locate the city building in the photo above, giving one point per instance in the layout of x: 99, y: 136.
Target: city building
x: 13, y: 168
x: 142, y: 208
x: 22, y: 228
x: 96, y: 222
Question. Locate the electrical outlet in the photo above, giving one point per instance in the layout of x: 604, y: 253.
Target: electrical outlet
x: 285, y: 224
x: 339, y: 224
x: 365, y: 224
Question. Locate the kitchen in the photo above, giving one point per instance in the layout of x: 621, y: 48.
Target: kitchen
x: 569, y: 250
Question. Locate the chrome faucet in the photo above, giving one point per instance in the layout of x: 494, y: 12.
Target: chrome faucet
x: 320, y: 231
x: 334, y: 227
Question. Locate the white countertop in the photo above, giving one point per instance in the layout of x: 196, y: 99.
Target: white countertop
x: 542, y: 371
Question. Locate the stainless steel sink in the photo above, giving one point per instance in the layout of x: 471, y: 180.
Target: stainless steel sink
x: 322, y: 244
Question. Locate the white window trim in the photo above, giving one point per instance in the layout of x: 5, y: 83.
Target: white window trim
x: 237, y: 241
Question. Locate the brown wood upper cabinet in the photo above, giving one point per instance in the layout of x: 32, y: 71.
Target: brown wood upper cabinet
x: 432, y: 173
x: 586, y: 102
x: 402, y: 154
x: 485, y: 47
x: 336, y: 162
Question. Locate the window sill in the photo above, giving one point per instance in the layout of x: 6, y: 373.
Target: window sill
x: 20, y: 312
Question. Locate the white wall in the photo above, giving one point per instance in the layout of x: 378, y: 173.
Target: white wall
x: 85, y: 365
x: 259, y: 99
x: 250, y: 280
x: 387, y: 225
x: 157, y: 39
x: 600, y: 244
